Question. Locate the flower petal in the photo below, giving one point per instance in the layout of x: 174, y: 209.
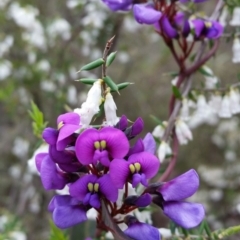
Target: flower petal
x: 185, y: 214
x: 66, y: 131
x: 38, y: 160
x: 149, y: 143
x: 180, y: 187
x: 167, y: 28
x: 94, y: 201
x: 107, y: 188
x: 50, y: 135
x: 123, y: 123
x: 138, y: 147
x: 69, y: 118
x: 119, y: 172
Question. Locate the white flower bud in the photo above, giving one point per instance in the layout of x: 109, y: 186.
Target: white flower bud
x: 174, y: 81
x: 236, y: 50
x: 183, y: 132
x: 110, y: 109
x: 164, y: 150
x: 225, y: 111
x: 212, y: 80
x: 234, y: 101
x: 159, y: 130
x: 235, y: 17
x: 184, y: 113
x: 215, y: 102
x: 223, y: 17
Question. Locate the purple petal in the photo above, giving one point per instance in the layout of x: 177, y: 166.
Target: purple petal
x: 142, y: 231
x: 123, y: 123
x: 181, y: 21
x: 149, y: 163
x: 215, y: 31
x: 114, y: 5
x: 69, y: 118
x: 137, y: 127
x: 145, y: 13
x: 38, y: 160
x: 136, y: 179
x: 180, y: 187
x: 85, y: 146
x: 79, y: 189
x: 137, y: 148
x: 168, y: 28
x: 149, y: 143
x: 50, y: 135
x: 102, y: 157
x: 94, y: 201
x: 68, y: 216
x: 144, y: 200
x: 119, y: 172
x: 61, y: 156
x: 198, y: 26
x: 71, y: 167
x: 107, y: 188
x: 117, y: 143
x: 50, y: 177
x: 61, y: 200
x: 185, y: 214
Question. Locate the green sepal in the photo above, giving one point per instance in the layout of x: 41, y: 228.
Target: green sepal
x: 88, y: 81
x: 122, y: 86
x: 176, y: 92
x: 110, y: 58
x: 97, y: 63
x: 113, y: 86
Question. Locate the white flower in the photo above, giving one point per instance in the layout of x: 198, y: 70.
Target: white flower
x: 183, y: 132
x: 215, y: 102
x: 17, y: 235
x: 164, y: 150
x: 223, y: 17
x: 234, y: 100
x: 174, y: 81
x: 236, y: 17
x: 211, y: 79
x: 225, y: 111
x: 110, y: 109
x: 184, y: 113
x: 159, y: 130
x: 236, y: 50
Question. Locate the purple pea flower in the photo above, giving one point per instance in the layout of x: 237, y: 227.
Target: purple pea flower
x: 207, y: 28
x: 101, y: 145
x: 90, y: 188
x: 171, y: 195
x: 122, y: 124
x: 145, y: 13
x: 140, y: 231
x: 116, y: 5
x: 138, y: 168
x: 67, y: 211
x: 135, y: 129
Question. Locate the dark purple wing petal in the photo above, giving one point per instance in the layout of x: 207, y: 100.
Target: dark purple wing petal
x: 50, y: 135
x: 180, y: 187
x: 185, y: 214
x: 167, y: 28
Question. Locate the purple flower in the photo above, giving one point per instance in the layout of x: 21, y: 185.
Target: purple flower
x: 122, y: 124
x: 145, y: 13
x: 138, y: 168
x: 140, y: 231
x: 171, y: 196
x: 67, y: 211
x: 90, y: 188
x: 101, y: 145
x: 139, y: 201
x: 135, y: 129
x: 207, y: 28
x: 116, y: 5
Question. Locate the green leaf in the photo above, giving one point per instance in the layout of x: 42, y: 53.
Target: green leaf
x: 88, y: 81
x: 113, y: 86
x: 121, y: 86
x: 227, y: 232
x: 176, y: 92
x: 204, y: 72
x: 111, y: 58
x: 56, y: 233
x: 97, y: 63
x: 156, y: 120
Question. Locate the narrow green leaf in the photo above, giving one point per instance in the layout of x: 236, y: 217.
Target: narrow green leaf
x: 113, y: 86
x: 88, y: 81
x: 156, y: 120
x: 56, y: 233
x: 110, y: 58
x: 176, y: 92
x: 207, y: 230
x: 204, y: 72
x: 122, y: 86
x: 227, y: 232
x: 97, y: 63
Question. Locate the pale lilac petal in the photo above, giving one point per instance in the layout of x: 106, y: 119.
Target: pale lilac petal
x: 85, y: 146
x: 142, y: 231
x: 149, y: 143
x: 50, y: 135
x: 95, y: 201
x: 185, y: 214
x: 149, y: 163
x: 107, y: 188
x: 180, y: 187
x: 117, y: 143
x: 68, y: 216
x: 79, y: 188
x: 38, y: 160
x: 119, y: 172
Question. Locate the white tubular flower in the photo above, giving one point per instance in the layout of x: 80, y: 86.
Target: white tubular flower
x: 234, y: 101
x: 223, y: 17
x: 174, y: 81
x: 215, y: 102
x: 225, y: 111
x: 236, y: 50
x: 95, y: 93
x: 164, y: 150
x: 110, y: 109
x: 211, y: 80
x: 159, y: 130
x: 183, y: 132
x: 235, y: 17
x: 184, y: 113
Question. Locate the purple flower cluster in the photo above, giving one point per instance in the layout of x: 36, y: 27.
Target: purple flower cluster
x: 167, y: 19
x: 95, y: 163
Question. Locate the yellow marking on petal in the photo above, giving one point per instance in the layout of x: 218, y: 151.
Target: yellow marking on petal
x: 96, y: 187
x: 137, y: 166
x: 103, y: 144
x: 60, y: 125
x: 90, y: 187
x: 208, y: 24
x: 132, y: 168
x: 97, y: 145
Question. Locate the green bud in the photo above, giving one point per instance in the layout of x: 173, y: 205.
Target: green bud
x: 97, y: 63
x: 113, y: 86
x: 176, y: 92
x: 110, y: 58
x: 88, y: 81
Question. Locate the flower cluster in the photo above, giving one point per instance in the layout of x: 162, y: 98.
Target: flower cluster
x: 96, y: 163
x: 168, y: 19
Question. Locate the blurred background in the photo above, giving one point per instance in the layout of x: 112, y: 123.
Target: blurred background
x: 42, y: 46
